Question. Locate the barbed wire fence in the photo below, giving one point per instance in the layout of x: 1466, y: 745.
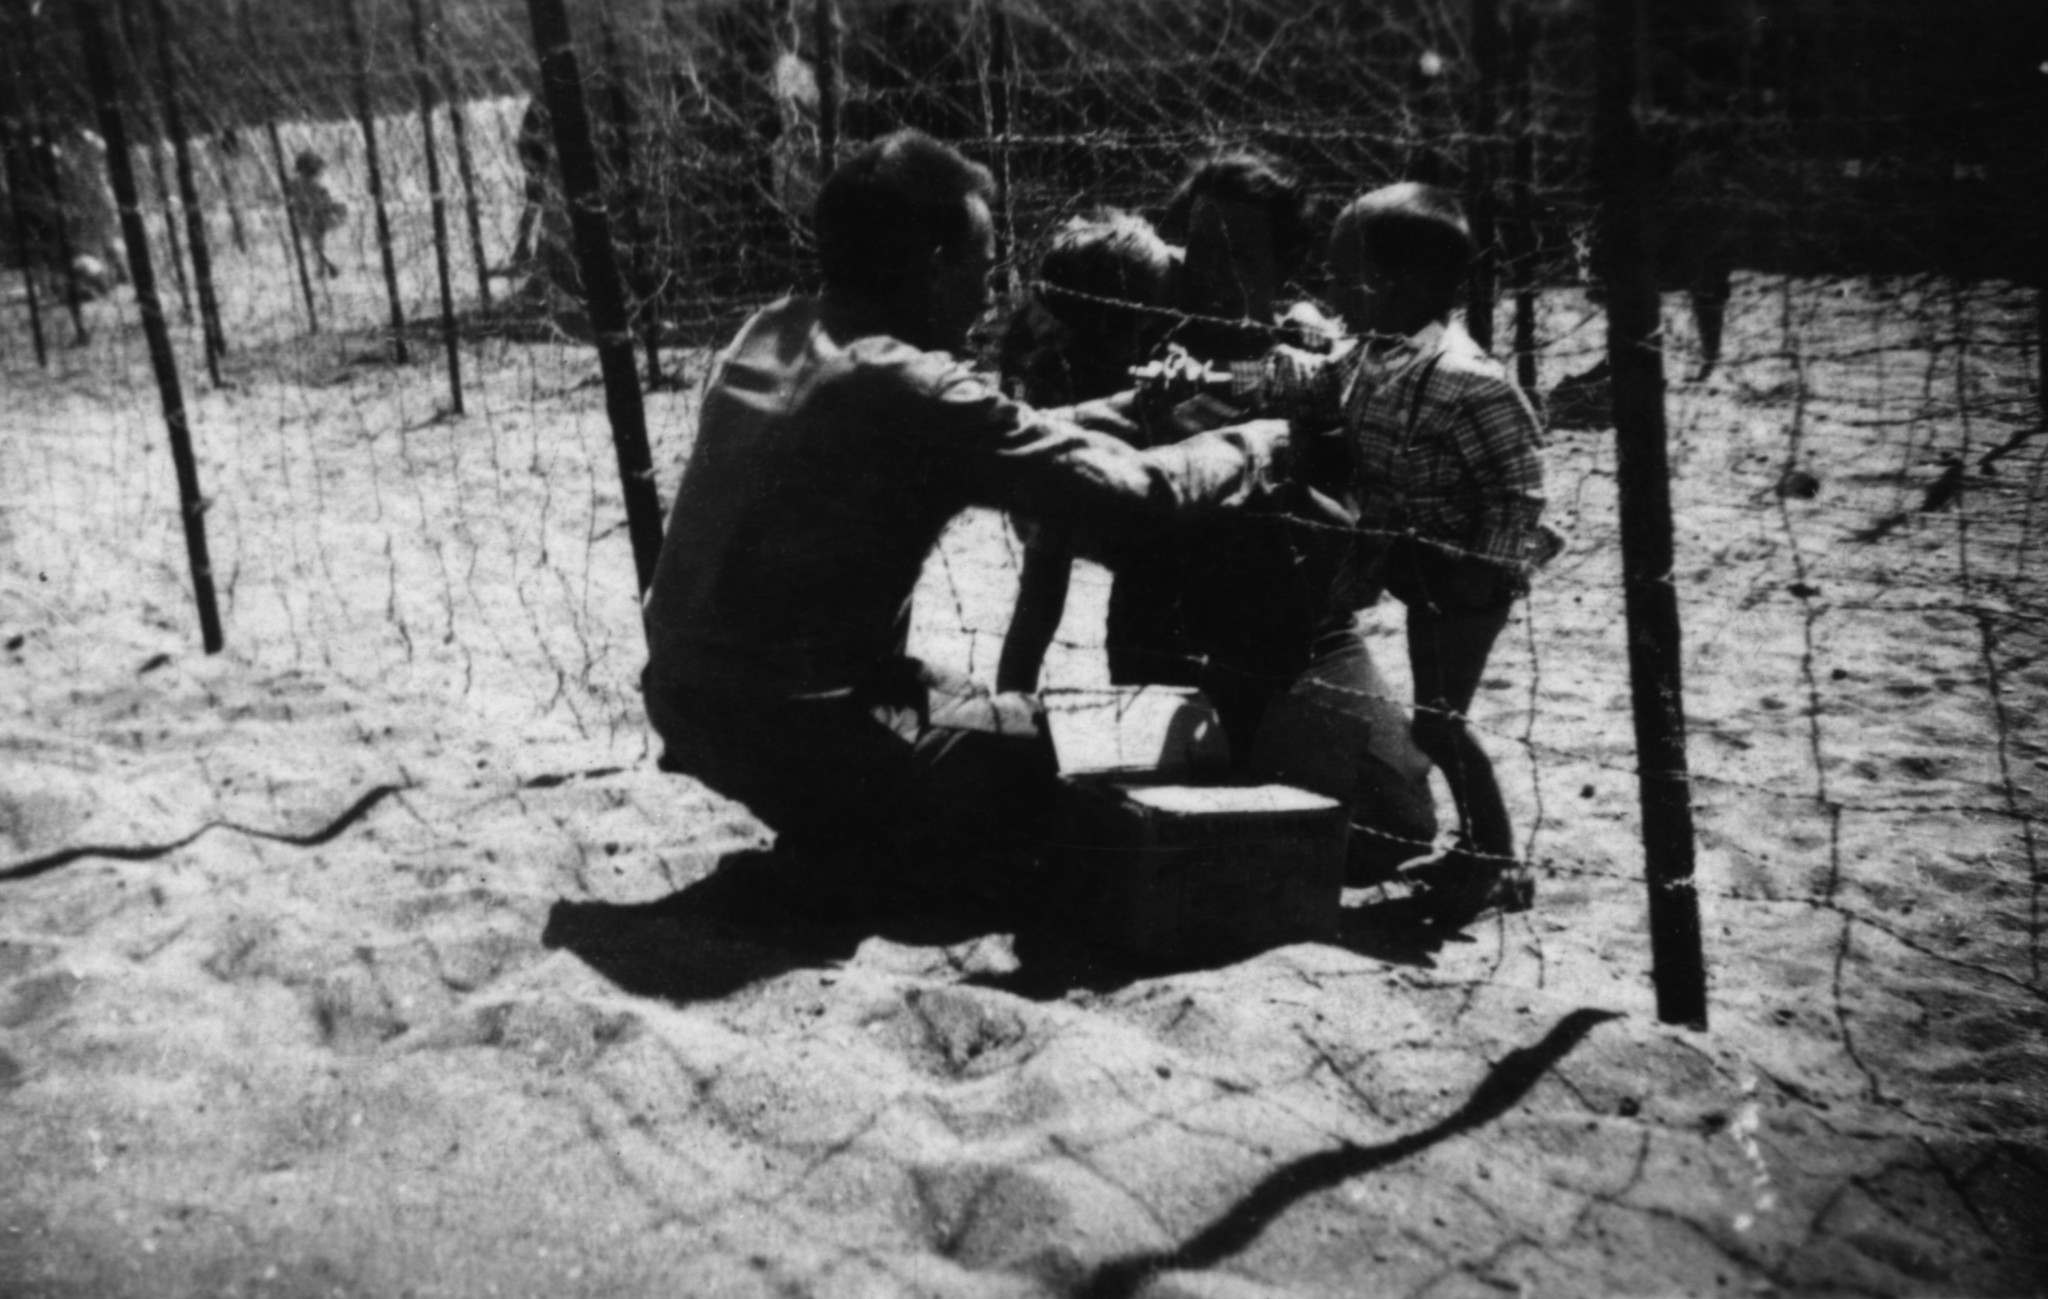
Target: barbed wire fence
x: 1855, y: 487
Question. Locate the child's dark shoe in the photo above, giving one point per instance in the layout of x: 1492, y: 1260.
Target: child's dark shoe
x: 1462, y: 885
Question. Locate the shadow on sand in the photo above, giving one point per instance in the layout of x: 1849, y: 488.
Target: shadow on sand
x: 758, y: 915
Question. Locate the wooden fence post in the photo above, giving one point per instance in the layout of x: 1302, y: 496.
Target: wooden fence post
x: 125, y: 16
x: 297, y: 241
x: 106, y: 96
x: 15, y: 139
x: 562, y: 85
x: 38, y: 120
x: 365, y: 114
x: 424, y: 80
x: 465, y: 163
x: 1636, y: 362
x: 632, y: 199
x: 188, y: 194
x: 13, y: 145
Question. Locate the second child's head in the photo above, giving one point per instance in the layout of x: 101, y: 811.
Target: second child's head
x: 1399, y: 256
x: 1106, y: 275
x: 1246, y: 218
x: 309, y: 164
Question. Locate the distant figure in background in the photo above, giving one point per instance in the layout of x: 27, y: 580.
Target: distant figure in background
x: 314, y: 207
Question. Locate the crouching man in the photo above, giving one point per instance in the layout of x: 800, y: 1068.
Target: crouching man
x: 838, y: 437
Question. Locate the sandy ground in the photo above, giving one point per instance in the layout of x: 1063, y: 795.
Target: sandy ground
x: 374, y: 957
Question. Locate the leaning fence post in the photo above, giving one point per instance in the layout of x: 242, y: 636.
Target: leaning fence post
x: 14, y: 151
x: 188, y: 194
x: 39, y: 118
x: 106, y: 96
x: 562, y: 86
x: 1635, y: 360
x: 632, y: 199
x: 465, y: 164
x: 439, y: 203
x: 360, y: 53
x: 297, y: 243
x: 124, y: 14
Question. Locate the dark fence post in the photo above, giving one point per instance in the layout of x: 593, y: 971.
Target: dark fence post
x: 562, y: 86
x: 297, y: 241
x: 1644, y: 482
x: 124, y: 14
x: 465, y: 163
x: 106, y: 96
x: 41, y: 120
x: 828, y: 32
x: 15, y: 153
x: 13, y: 144
x: 365, y: 114
x: 632, y: 201
x: 188, y: 194
x: 439, y: 202
x: 1485, y: 126
x: 1522, y: 224
x: 291, y: 222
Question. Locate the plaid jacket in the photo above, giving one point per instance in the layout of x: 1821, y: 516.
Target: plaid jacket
x: 1444, y: 446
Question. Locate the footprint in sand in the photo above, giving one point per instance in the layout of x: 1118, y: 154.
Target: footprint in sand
x: 38, y: 997
x: 955, y: 1034
x: 552, y: 1031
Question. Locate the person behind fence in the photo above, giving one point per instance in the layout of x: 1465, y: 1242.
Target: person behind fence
x: 1245, y: 606
x: 314, y: 207
x: 1246, y: 218
x: 1094, y: 313
x: 1450, y: 492
x: 839, y: 435
x: 1096, y: 310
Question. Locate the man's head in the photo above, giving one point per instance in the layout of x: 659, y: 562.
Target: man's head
x: 1247, y: 221
x: 903, y: 226
x: 309, y: 163
x: 1399, y: 256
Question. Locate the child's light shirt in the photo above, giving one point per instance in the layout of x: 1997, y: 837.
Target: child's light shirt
x: 1444, y: 446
